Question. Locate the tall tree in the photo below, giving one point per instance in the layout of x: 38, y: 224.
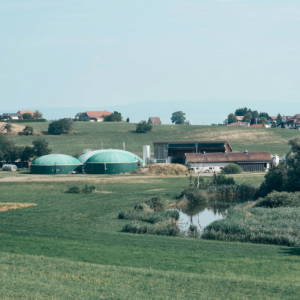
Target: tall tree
x: 247, y: 117
x: 279, y: 119
x: 241, y: 111
x: 40, y: 147
x: 255, y: 114
x: 79, y: 115
x: 26, y: 116
x: 178, y: 117
x: 264, y: 115
x: 7, y: 127
x: 37, y: 115
x: 232, y: 118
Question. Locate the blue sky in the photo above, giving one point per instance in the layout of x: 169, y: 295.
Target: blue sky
x: 105, y: 53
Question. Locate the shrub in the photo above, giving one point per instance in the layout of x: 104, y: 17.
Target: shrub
x: 143, y: 127
x: 232, y: 169
x: 61, y: 126
x: 221, y: 179
x: 85, y: 190
x: 193, y: 195
x: 28, y: 130
x: 141, y: 228
x: 277, y: 199
x: 156, y: 203
x: 193, y: 231
x: 114, y: 117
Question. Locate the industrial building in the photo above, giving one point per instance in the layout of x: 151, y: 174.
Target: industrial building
x: 111, y: 161
x: 215, y: 162
x: 174, y: 152
x: 55, y: 164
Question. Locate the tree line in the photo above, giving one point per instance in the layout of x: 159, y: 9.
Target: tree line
x: 9, y: 152
x: 252, y: 116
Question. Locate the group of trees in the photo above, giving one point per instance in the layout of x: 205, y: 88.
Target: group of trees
x: 285, y: 177
x: 36, y: 115
x: 8, y: 127
x: 252, y: 116
x: 9, y: 152
x: 62, y: 126
x: 114, y: 117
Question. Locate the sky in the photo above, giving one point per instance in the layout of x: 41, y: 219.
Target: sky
x: 94, y: 53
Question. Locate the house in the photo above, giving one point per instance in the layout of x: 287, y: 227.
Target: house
x: 174, y: 152
x: 95, y: 116
x: 26, y: 112
x: 291, y: 123
x: 14, y: 116
x: 154, y: 120
x: 240, y: 118
x: 272, y: 119
x: 215, y: 162
x: 242, y: 124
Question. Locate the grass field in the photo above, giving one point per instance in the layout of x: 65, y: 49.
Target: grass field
x: 70, y: 246
x: 89, y: 135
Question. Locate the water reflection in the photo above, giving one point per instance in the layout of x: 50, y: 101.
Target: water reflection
x: 201, y: 215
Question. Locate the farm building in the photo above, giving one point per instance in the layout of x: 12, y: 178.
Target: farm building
x: 26, y: 112
x: 55, y: 164
x: 215, y: 162
x: 110, y: 161
x: 154, y: 120
x: 14, y: 116
x: 95, y: 116
x: 174, y: 152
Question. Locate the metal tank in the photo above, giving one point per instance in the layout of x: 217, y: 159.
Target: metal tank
x: 55, y: 164
x: 111, y: 161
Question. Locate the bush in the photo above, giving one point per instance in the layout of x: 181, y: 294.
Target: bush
x: 28, y: 130
x: 61, y: 126
x: 149, y: 216
x: 277, y: 199
x: 156, y: 203
x: 85, y: 190
x: 143, y: 127
x: 221, y: 179
x: 114, y: 117
x: 193, y: 195
x: 142, y: 228
x: 275, y: 180
x: 232, y: 169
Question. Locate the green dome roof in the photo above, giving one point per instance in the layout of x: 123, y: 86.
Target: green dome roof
x: 56, y: 159
x: 84, y: 157
x: 112, y: 156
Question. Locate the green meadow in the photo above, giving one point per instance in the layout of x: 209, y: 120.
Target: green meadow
x: 70, y: 246
x: 90, y: 135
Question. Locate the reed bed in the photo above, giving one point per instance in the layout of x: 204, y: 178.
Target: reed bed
x: 279, y: 226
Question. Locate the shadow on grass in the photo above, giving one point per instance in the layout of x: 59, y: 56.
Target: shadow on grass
x: 291, y: 251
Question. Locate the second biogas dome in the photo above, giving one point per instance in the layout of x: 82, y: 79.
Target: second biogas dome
x: 110, y: 161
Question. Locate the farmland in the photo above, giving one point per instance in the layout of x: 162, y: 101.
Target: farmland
x: 71, y: 247
x: 89, y: 135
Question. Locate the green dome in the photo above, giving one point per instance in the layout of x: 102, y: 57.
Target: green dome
x: 85, y: 157
x: 112, y: 156
x: 55, y: 159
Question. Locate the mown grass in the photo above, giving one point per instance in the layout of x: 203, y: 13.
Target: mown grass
x: 80, y: 235
x: 91, y: 134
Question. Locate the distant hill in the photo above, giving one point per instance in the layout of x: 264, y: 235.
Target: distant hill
x: 202, y: 112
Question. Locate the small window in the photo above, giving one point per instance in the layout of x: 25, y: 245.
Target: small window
x: 210, y: 168
x: 221, y: 168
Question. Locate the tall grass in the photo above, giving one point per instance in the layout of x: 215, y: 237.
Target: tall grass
x: 279, y: 226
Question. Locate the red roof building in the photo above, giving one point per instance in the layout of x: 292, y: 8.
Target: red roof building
x: 26, y: 112
x: 95, y: 115
x: 154, y: 120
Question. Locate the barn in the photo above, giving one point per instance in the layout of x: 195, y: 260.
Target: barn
x: 174, y: 152
x: 215, y: 162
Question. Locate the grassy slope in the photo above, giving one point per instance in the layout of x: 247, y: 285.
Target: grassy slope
x: 43, y: 247
x: 90, y: 135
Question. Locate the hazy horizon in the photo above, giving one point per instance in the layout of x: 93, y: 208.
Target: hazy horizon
x: 105, y: 54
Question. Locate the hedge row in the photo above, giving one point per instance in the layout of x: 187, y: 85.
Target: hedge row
x: 28, y: 120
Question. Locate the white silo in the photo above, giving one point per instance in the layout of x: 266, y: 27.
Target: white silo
x: 146, y: 154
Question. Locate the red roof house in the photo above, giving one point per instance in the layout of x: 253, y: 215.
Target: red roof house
x: 95, y: 115
x: 154, y: 120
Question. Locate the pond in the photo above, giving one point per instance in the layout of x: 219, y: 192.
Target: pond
x: 201, y: 216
